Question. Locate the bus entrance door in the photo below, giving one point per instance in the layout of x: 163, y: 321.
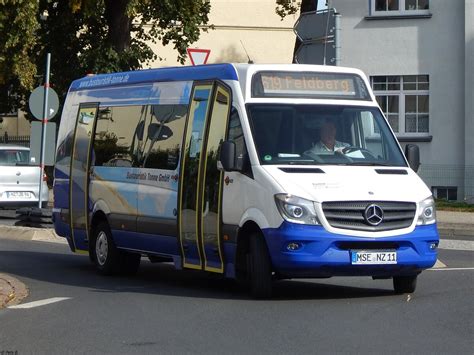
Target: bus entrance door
x: 79, y: 177
x: 200, y: 195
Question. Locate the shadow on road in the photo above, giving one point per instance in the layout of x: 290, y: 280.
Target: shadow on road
x: 160, y: 279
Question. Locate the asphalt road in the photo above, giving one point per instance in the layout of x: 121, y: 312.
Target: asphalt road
x: 161, y: 310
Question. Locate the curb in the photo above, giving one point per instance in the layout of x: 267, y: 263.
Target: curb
x: 458, y: 232
x: 30, y: 233
x: 12, y: 291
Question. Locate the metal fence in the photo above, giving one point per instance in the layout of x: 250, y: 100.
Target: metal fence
x: 19, y: 140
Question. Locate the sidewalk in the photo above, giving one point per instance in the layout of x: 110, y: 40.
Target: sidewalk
x: 451, y: 225
x: 455, y: 225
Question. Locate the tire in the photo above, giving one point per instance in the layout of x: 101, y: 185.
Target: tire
x: 404, y: 284
x: 107, y: 258
x: 260, y: 268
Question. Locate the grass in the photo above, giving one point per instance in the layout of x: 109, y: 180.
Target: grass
x: 444, y: 205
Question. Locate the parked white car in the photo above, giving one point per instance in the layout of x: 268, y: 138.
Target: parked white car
x: 20, y: 178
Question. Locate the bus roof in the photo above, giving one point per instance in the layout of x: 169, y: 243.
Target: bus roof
x: 224, y: 71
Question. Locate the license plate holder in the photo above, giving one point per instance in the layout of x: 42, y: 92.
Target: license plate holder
x: 373, y: 257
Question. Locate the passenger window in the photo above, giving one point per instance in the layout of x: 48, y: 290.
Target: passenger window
x: 163, y: 133
x: 236, y: 134
x: 115, y: 136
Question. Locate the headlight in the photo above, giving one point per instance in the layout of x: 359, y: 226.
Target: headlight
x: 296, y: 209
x: 427, y: 212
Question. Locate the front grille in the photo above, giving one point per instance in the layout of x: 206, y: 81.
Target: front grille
x: 350, y: 215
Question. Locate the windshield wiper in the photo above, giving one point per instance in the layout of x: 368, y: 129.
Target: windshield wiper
x: 365, y: 163
x: 301, y: 162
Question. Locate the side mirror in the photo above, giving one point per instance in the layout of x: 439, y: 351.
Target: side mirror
x: 227, y: 156
x: 412, y: 153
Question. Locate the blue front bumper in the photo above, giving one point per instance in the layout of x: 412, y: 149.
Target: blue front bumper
x: 324, y: 254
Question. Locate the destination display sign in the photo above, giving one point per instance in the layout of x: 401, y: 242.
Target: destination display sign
x: 309, y: 85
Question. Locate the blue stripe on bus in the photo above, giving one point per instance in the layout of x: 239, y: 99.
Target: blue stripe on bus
x: 199, y: 72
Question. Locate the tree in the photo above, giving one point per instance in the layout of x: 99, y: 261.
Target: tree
x: 88, y: 36
x: 17, y: 35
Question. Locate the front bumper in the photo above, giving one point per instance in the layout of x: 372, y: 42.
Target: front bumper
x: 324, y: 254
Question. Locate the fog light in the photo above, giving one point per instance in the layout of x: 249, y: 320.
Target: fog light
x: 433, y: 246
x: 293, y: 246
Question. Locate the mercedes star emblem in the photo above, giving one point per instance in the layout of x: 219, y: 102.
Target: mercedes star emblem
x: 373, y: 215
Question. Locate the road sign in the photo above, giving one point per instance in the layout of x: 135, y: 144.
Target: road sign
x: 198, y: 56
x: 50, y: 143
x: 314, y: 53
x: 36, y: 99
x: 315, y: 24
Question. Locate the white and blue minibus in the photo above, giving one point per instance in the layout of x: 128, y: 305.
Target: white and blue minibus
x: 256, y: 172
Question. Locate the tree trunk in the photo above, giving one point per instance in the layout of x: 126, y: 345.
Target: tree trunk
x: 306, y: 6
x: 119, y: 24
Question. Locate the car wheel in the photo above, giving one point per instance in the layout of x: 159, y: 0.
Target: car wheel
x: 260, y: 267
x: 404, y: 284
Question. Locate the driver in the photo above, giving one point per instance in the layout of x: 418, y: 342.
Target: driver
x: 328, y: 142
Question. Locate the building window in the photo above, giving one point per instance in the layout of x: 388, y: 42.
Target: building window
x: 449, y: 193
x: 399, y: 7
x: 404, y: 100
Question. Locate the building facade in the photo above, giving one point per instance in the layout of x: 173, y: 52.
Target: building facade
x: 419, y: 57
x: 243, y: 30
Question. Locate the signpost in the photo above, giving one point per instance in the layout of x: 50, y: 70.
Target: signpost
x: 44, y: 104
x: 198, y: 56
x: 319, y: 33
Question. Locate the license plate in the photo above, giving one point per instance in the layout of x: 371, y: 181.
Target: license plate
x: 373, y: 257
x: 18, y: 194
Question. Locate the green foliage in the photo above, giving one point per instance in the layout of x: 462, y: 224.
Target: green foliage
x: 444, y: 205
x: 87, y: 36
x: 18, y: 37
x: 287, y: 7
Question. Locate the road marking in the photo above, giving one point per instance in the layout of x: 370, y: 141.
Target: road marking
x: 39, y: 303
x: 466, y: 245
x: 452, y: 269
x: 439, y: 264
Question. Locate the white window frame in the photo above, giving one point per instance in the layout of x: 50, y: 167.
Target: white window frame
x: 400, y: 12
x: 401, y: 93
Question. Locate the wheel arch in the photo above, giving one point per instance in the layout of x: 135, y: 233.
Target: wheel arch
x: 244, y: 234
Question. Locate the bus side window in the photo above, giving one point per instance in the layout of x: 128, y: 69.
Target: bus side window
x: 114, y: 136
x: 236, y: 134
x: 163, y: 134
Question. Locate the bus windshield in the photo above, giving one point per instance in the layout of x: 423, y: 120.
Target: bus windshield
x: 322, y: 135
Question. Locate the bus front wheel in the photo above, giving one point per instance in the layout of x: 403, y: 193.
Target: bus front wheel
x: 109, y: 260
x: 260, y: 267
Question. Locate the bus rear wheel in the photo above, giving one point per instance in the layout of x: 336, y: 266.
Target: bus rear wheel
x: 404, y: 284
x: 260, y: 268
